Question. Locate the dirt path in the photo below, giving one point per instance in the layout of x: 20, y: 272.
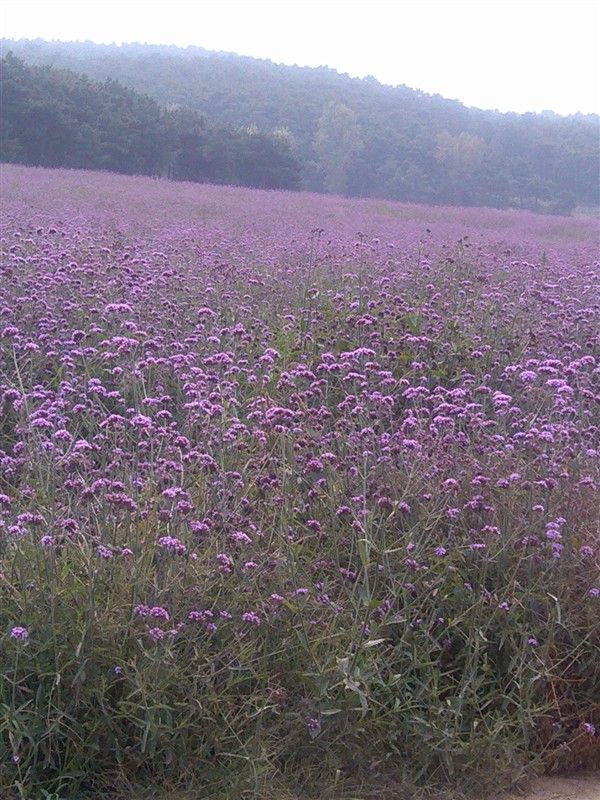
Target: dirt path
x: 579, y: 787
x: 582, y: 787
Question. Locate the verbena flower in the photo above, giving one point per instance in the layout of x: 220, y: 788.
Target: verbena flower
x: 172, y: 544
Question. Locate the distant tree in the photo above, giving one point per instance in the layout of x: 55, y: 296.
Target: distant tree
x: 266, y: 162
x: 403, y: 144
x: 283, y: 134
x: 461, y: 157
x: 59, y: 118
x: 337, y: 143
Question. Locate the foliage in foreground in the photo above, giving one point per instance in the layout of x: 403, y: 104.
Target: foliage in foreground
x: 281, y: 506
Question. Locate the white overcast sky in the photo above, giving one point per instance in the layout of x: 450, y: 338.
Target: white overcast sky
x: 514, y: 55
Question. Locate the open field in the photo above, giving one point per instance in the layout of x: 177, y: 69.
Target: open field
x: 295, y: 492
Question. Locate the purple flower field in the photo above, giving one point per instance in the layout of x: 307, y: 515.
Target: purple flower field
x: 295, y: 491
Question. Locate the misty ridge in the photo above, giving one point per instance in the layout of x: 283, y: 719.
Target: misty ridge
x: 196, y: 115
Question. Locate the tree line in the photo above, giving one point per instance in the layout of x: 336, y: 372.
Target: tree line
x: 358, y: 137
x: 58, y: 118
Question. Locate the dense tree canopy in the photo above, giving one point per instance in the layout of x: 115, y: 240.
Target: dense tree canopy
x: 53, y: 117
x: 399, y: 143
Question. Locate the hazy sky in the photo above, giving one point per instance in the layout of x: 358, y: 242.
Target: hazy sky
x: 514, y: 55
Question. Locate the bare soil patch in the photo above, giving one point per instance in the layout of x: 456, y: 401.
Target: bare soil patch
x: 580, y: 787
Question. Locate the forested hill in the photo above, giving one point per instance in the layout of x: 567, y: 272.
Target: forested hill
x: 59, y: 118
x: 359, y: 137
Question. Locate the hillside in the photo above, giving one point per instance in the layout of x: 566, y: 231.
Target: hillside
x: 59, y: 118
x: 359, y: 137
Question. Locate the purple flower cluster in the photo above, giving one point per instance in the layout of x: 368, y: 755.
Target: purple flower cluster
x: 308, y: 437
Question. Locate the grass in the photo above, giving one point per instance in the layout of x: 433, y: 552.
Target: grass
x: 288, y: 517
